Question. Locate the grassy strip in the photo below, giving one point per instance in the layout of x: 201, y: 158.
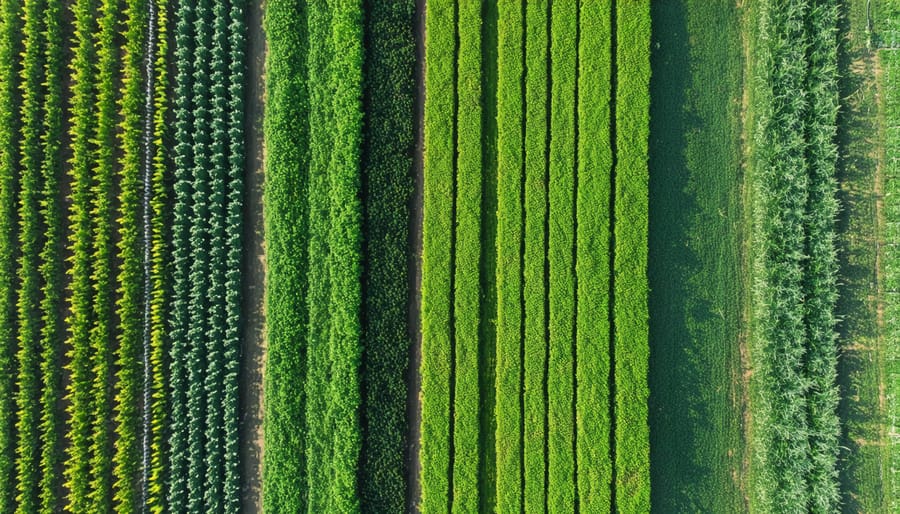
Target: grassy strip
x: 318, y: 442
x: 821, y: 266
x: 10, y: 69
x: 630, y: 264
x: 237, y: 37
x: 130, y: 301
x: 81, y: 167
x: 890, y: 61
x: 213, y: 384
x: 286, y: 227
x: 177, y: 469
x: 437, y: 231
x: 592, y: 266
x: 561, y: 430
x: 468, y: 251
x: 535, y: 258
x: 160, y: 267
x: 780, y: 444
x: 509, y: 255
x: 344, y: 245
x: 387, y: 171
x: 51, y: 265
x: 106, y: 71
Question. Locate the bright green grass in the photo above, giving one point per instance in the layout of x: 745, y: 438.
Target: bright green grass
x: 695, y: 257
x: 437, y: 245
x: 632, y: 434
x: 592, y: 267
x: 509, y: 256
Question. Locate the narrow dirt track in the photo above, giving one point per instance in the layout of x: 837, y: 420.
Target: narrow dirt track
x: 414, y: 379
x: 254, y: 270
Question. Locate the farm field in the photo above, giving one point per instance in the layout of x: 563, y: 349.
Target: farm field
x: 449, y: 256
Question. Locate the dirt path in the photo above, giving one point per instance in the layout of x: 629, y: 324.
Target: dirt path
x: 414, y: 379
x: 254, y: 271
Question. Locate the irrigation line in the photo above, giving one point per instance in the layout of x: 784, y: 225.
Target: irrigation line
x: 149, y: 52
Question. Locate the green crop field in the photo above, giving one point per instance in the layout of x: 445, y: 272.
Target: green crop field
x: 449, y: 256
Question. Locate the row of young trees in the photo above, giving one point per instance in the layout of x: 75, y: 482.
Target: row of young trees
x: 795, y: 398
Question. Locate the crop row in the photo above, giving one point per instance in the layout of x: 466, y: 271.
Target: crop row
x: 206, y: 248
x: 10, y: 49
x: 796, y: 444
x: 38, y: 427
x: 387, y: 176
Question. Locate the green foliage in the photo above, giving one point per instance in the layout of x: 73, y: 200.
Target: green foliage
x: 10, y: 102
x: 178, y: 465
x: 286, y: 228
x: 561, y: 179
x: 80, y: 390
x: 130, y: 300
x: 344, y: 246
x: 536, y: 138
x: 318, y: 442
x: 592, y: 251
x: 632, y: 433
x: 160, y: 267
x: 437, y: 247
x: 795, y: 442
x: 509, y: 246
x: 466, y: 258
x: 696, y: 275
x: 890, y: 60
x: 387, y: 175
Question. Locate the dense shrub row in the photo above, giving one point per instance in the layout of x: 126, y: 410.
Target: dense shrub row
x: 286, y: 227
x: 10, y: 96
x: 796, y: 442
x: 387, y: 178
x: 39, y: 388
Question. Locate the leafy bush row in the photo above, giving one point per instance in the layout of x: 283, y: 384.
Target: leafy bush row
x: 286, y: 132
x: 387, y: 175
x: 10, y: 103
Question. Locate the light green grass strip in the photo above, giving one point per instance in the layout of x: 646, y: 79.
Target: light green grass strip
x: 632, y: 434
x: 468, y: 254
x: 509, y: 255
x: 437, y: 227
x: 592, y: 266
x: 535, y: 337
x: 561, y: 430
